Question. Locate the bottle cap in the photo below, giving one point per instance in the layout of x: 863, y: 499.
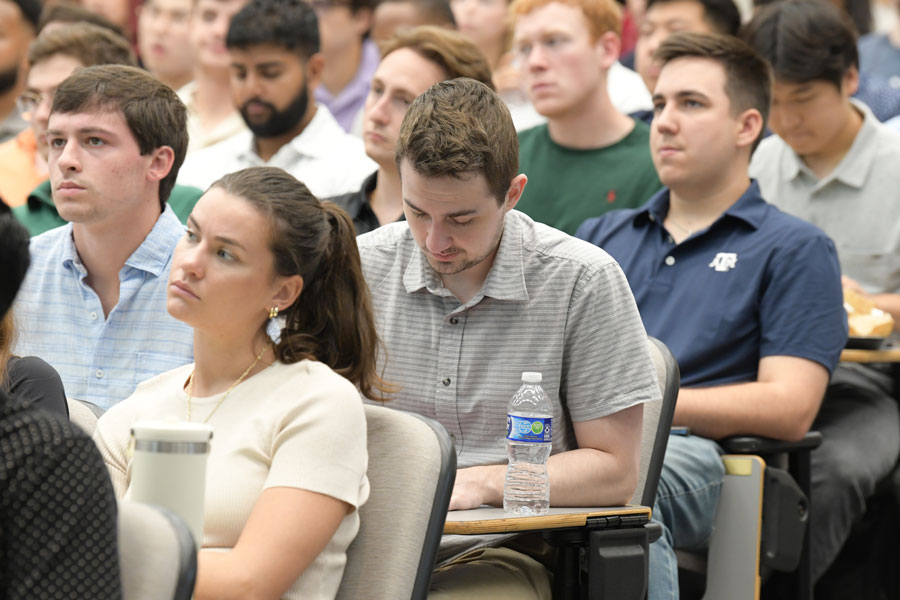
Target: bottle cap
x: 531, y: 377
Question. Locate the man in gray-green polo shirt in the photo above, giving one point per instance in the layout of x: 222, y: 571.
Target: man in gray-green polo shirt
x: 468, y: 294
x: 833, y: 164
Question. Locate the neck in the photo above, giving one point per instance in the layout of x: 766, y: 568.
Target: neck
x: 697, y: 206
x: 341, y: 68
x: 493, y: 52
x: 176, y: 82
x: 212, y: 87
x: 826, y: 159
x: 386, y: 199
x: 104, y: 248
x: 466, y: 284
x: 220, y: 361
x: 267, y: 147
x: 594, y: 124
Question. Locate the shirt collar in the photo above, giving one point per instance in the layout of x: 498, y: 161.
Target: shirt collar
x: 313, y: 141
x: 854, y: 167
x: 749, y: 208
x: 505, y: 280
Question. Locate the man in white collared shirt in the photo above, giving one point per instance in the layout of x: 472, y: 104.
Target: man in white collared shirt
x: 275, y: 64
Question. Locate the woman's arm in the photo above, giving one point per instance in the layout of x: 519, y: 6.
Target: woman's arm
x: 287, y: 529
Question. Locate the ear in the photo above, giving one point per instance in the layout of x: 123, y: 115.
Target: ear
x: 516, y: 187
x: 850, y: 82
x: 749, y: 126
x: 609, y: 45
x: 288, y: 291
x: 161, y: 161
x: 314, y: 66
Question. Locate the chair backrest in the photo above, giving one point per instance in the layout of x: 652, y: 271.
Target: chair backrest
x: 84, y: 414
x: 412, y: 467
x: 657, y: 423
x: 157, y: 554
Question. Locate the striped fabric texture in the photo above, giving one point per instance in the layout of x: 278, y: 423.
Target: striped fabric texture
x: 59, y: 317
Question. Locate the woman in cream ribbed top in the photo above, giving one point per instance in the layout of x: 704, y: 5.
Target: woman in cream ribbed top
x: 287, y: 468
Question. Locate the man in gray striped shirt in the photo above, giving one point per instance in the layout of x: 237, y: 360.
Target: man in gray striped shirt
x: 469, y: 294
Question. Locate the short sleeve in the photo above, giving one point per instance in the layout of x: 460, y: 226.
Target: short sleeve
x: 35, y: 383
x: 607, y: 365
x: 802, y: 309
x: 320, y: 442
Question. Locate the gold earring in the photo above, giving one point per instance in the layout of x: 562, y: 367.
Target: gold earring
x: 273, y: 312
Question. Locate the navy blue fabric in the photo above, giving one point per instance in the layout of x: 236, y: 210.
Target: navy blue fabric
x: 782, y: 295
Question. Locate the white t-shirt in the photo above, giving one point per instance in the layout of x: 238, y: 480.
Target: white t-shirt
x: 198, y: 136
x: 299, y: 426
x: 326, y: 158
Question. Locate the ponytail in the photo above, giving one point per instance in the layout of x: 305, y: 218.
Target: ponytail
x: 332, y: 320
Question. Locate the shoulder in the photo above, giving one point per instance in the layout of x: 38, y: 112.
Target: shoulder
x: 768, y: 154
x: 49, y: 243
x: 548, y: 245
x: 533, y: 135
x: 386, y: 238
x: 598, y: 230
x: 19, y: 368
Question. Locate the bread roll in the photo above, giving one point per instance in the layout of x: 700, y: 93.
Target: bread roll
x: 864, y: 318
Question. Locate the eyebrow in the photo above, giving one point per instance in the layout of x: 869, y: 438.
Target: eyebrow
x: 682, y: 94
x: 453, y: 215
x: 193, y: 222
x: 85, y: 130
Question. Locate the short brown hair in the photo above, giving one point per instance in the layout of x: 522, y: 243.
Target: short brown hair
x: 459, y: 127
x: 602, y: 15
x: 450, y: 50
x: 87, y: 43
x: 154, y: 113
x: 332, y: 320
x: 67, y: 12
x: 748, y: 77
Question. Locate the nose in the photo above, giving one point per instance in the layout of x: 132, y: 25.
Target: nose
x: 536, y: 57
x: 664, y: 120
x: 378, y: 110
x: 41, y: 112
x: 253, y: 85
x: 68, y: 159
x: 437, y: 238
x: 189, y: 260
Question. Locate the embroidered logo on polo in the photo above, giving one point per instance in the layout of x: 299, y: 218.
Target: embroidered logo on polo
x: 724, y: 261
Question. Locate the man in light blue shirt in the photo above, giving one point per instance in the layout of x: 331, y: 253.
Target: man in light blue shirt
x: 94, y: 302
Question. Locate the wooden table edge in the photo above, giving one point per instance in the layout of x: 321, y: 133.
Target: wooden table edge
x: 533, y: 523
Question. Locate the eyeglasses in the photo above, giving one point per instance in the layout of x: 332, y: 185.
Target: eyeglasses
x: 27, y: 102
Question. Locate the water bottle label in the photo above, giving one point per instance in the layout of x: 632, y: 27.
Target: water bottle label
x: 529, y: 429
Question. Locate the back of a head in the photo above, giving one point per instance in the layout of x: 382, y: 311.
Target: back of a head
x: 291, y: 24
x: 154, y: 113
x: 14, y: 259
x: 804, y: 40
x: 602, y: 15
x: 89, y: 44
x: 67, y: 13
x: 722, y: 16
x: 450, y: 50
x: 748, y: 78
x: 460, y: 127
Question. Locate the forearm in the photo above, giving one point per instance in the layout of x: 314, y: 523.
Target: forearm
x: 581, y: 477
x: 221, y: 577
x: 753, y: 408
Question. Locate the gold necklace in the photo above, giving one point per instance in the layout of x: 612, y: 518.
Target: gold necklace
x: 190, y: 390
x: 689, y: 232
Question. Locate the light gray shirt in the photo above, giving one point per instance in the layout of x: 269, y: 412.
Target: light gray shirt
x: 857, y: 204
x: 551, y: 303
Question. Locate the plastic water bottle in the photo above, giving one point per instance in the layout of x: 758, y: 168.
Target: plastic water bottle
x: 528, y: 435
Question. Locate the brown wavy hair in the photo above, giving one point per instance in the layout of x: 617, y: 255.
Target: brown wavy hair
x: 332, y: 320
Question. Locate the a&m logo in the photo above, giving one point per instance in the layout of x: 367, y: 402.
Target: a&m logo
x: 724, y: 261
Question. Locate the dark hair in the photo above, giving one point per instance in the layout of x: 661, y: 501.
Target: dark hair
x: 859, y: 11
x: 288, y: 23
x: 31, y: 11
x: 722, y: 16
x: 357, y: 5
x: 459, y: 127
x: 748, y: 78
x: 450, y: 50
x: 66, y: 12
x: 89, y: 44
x: 14, y: 259
x: 332, y: 319
x: 804, y: 40
x: 154, y: 113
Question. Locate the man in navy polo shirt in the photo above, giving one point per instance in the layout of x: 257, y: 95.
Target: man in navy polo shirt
x: 748, y: 298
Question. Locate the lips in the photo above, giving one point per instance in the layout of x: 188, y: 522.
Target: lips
x: 183, y: 289
x: 68, y: 188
